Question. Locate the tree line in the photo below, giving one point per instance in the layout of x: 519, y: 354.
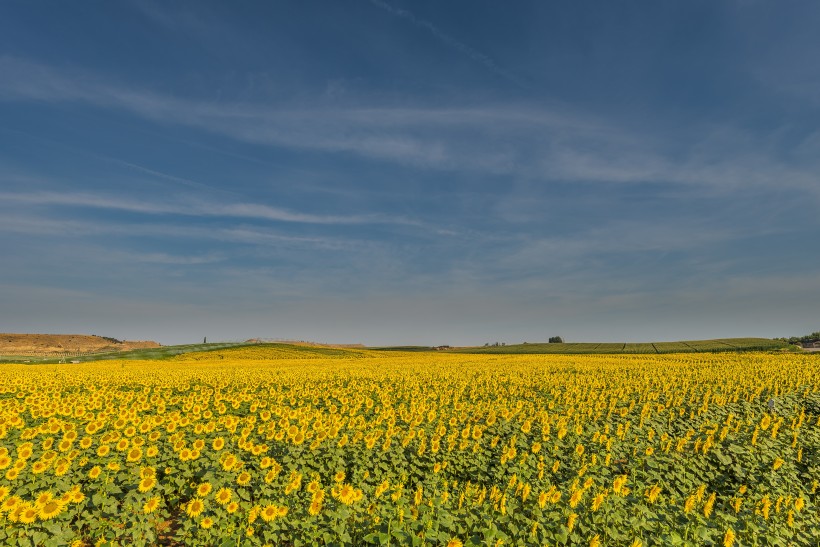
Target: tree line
x: 813, y: 337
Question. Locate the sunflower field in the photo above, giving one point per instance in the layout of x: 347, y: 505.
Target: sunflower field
x: 252, y: 446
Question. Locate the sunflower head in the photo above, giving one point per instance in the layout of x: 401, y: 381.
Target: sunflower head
x: 151, y: 505
x: 223, y: 496
x: 50, y: 509
x: 43, y: 498
x: 195, y: 507
x: 146, y: 484
x: 204, y: 489
x: 269, y: 512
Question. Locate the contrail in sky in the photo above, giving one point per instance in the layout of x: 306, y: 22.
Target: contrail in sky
x: 452, y: 42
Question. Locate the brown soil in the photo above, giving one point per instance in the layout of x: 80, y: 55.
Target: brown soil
x: 65, y: 344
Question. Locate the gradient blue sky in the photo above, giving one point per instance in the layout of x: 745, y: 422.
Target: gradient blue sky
x: 392, y: 172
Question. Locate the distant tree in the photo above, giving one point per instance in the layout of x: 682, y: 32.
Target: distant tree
x: 813, y: 337
x: 556, y: 340
x: 205, y: 340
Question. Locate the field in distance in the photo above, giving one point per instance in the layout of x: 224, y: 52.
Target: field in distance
x: 57, y: 348
x: 252, y: 350
x: 689, y: 346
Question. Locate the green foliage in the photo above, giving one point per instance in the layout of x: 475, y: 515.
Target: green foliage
x: 813, y: 337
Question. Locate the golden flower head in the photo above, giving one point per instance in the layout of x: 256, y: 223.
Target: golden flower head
x: 204, y: 489
x: 729, y: 538
x: 195, y: 507
x: 151, y: 505
x: 571, y: 521
x: 269, y: 512
x: 223, y: 496
x: 50, y: 509
x: 146, y: 484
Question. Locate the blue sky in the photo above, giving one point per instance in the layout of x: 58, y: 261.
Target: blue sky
x: 427, y: 172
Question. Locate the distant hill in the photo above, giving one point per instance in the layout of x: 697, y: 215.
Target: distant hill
x: 65, y: 345
x: 250, y: 350
x: 688, y: 346
x: 52, y: 348
x: 276, y: 351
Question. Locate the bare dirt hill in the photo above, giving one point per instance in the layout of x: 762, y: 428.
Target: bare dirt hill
x: 65, y: 344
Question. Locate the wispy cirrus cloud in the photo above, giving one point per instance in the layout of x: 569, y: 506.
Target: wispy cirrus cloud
x: 452, y: 42
x: 125, y: 257
x: 405, y: 135
x: 532, y: 142
x: 191, y: 208
x: 253, y: 235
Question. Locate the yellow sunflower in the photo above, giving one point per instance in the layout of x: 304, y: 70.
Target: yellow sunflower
x: 151, y: 505
x: 27, y: 513
x: 269, y: 512
x: 195, y: 507
x: 134, y: 455
x: 50, y: 509
x: 223, y: 496
x: 43, y: 498
x: 347, y: 494
x: 10, y: 504
x: 146, y: 484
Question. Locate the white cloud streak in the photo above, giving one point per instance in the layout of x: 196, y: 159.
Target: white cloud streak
x: 36, y: 225
x: 190, y: 208
x: 168, y: 259
x: 534, y: 143
x: 453, y: 43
